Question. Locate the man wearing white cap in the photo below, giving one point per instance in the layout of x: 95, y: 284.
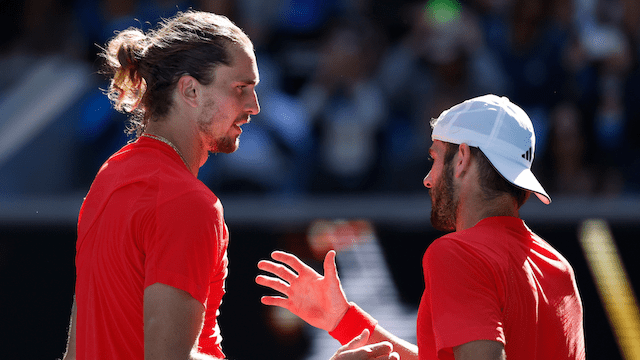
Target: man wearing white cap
x: 493, y: 289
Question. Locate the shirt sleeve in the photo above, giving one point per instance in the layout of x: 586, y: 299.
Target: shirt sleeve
x: 463, y: 295
x: 182, y: 249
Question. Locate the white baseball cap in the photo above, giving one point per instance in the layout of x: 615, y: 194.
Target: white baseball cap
x: 502, y: 130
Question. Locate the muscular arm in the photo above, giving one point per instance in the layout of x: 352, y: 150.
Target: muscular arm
x: 318, y: 300
x: 172, y: 323
x: 480, y: 350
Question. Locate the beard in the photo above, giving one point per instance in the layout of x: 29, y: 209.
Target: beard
x: 225, y: 144
x: 444, y: 206
x: 222, y: 144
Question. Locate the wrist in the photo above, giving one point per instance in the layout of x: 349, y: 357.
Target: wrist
x: 354, y: 321
x: 340, y: 315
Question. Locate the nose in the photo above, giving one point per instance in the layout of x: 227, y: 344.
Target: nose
x: 253, y: 106
x: 427, y: 181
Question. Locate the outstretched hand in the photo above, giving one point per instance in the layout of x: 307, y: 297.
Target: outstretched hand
x: 318, y: 300
x: 357, y: 349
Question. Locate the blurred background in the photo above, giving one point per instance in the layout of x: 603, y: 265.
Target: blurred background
x: 337, y: 155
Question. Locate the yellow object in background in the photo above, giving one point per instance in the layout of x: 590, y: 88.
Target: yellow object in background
x: 613, y: 285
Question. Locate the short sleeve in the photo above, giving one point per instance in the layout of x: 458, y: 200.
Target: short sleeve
x: 183, y: 248
x: 464, y: 299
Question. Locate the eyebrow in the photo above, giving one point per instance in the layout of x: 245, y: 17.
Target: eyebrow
x: 248, y: 82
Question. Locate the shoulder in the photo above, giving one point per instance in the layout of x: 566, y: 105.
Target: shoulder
x: 484, y: 244
x: 458, y: 240
x: 190, y: 204
x: 193, y: 220
x: 195, y: 198
x: 445, y: 251
x: 176, y: 186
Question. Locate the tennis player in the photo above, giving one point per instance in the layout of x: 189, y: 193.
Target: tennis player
x: 493, y: 289
x: 151, y: 253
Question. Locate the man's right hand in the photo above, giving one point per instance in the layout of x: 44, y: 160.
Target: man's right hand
x: 357, y: 349
x: 318, y: 300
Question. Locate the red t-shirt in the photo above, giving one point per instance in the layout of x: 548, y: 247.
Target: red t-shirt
x: 146, y: 219
x: 499, y: 281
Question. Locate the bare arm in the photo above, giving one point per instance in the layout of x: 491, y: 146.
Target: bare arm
x: 70, y: 352
x: 173, y: 320
x: 358, y: 349
x: 405, y: 349
x: 318, y: 300
x: 480, y: 350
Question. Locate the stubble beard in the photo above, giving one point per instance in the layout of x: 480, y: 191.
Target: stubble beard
x: 444, y: 206
x: 223, y: 144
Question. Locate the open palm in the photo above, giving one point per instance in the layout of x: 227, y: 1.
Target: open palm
x: 318, y: 300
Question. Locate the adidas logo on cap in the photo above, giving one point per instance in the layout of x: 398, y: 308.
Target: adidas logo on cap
x: 527, y: 155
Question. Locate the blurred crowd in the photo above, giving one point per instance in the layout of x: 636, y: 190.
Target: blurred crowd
x: 348, y: 86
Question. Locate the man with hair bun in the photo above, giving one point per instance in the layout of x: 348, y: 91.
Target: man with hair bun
x: 151, y: 253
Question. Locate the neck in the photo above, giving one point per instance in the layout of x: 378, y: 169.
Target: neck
x: 181, y: 144
x: 472, y: 212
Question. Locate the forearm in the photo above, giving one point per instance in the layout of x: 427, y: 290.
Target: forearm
x: 356, y: 320
x: 405, y: 349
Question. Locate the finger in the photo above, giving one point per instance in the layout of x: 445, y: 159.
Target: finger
x: 392, y: 356
x: 276, y: 301
x: 380, y: 351
x: 273, y: 283
x: 277, y: 269
x: 292, y: 261
x: 359, y: 340
x: 383, y: 349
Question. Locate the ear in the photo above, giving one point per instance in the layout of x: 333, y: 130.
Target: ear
x: 462, y: 161
x: 188, y: 90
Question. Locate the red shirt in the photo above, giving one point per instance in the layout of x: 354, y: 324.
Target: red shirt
x: 146, y: 219
x: 499, y: 281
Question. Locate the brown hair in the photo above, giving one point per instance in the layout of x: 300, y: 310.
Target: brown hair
x: 145, y: 68
x: 491, y: 182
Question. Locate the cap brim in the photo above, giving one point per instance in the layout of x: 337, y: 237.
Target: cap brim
x: 518, y: 175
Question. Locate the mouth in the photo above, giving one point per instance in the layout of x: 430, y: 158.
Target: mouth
x: 241, y: 121
x: 245, y: 119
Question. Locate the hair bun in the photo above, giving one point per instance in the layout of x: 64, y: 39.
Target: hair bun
x: 124, y: 54
x: 131, y: 44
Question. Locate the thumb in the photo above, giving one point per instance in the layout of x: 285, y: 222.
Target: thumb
x: 330, y: 268
x: 359, y: 340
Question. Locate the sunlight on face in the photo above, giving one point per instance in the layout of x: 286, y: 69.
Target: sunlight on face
x: 230, y: 100
x: 444, y: 203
